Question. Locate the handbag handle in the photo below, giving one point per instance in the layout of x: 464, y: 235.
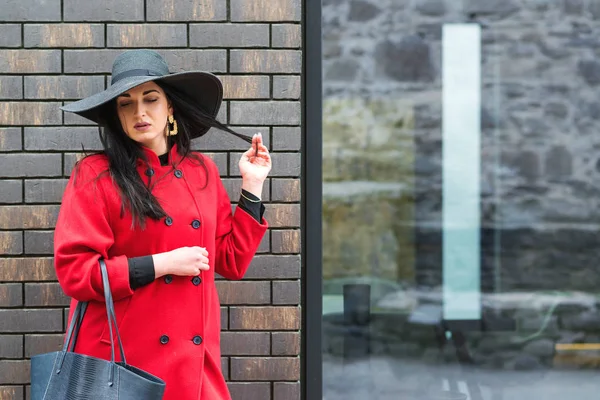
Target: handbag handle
x: 77, y: 318
x: 110, y: 312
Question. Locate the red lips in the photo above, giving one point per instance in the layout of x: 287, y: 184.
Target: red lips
x: 141, y: 125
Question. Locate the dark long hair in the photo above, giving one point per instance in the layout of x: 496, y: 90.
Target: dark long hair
x: 123, y: 153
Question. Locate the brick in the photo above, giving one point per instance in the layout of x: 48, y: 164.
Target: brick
x: 40, y: 344
x: 28, y: 217
x: 30, y: 113
x: 283, y: 215
x: 249, y: 390
x: 284, y: 241
x: 245, y: 343
x: 31, y: 10
x: 234, y: 188
x: 220, y: 159
x: 70, y: 160
x: 285, y: 343
x: 44, y: 190
x: 74, y: 119
x: 288, y: 164
x: 286, y: 87
x: 10, y: 36
x: 274, y: 267
x: 26, y: 269
x: 39, y: 242
x: 265, y: 112
x: 188, y: 60
x: 264, y: 318
x: 224, y: 318
x: 29, y: 61
x: 31, y: 320
x: 229, y: 35
x: 265, y: 244
x: 11, y: 392
x: 266, y: 10
x: 186, y: 10
x: 223, y: 113
x: 11, y: 87
x: 286, y: 36
x: 62, y: 87
x: 225, y: 367
x: 244, y: 292
x: 286, y: 391
x: 286, y: 190
x: 10, y: 139
x: 45, y: 294
x: 142, y: 35
x: 11, y: 295
x: 64, y: 35
x: 286, y: 292
x: 89, y: 61
x: 11, y: 243
x: 11, y: 346
x: 245, y: 87
x: 103, y: 10
x: 11, y: 191
x: 265, y: 368
x: 14, y: 372
x: 287, y: 138
x: 62, y: 138
x: 100, y: 61
x: 218, y: 140
x: 25, y: 165
x: 266, y: 61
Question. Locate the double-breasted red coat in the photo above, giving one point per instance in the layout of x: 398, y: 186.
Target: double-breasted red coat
x: 170, y: 327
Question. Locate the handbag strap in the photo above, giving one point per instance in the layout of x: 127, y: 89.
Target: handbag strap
x: 110, y: 312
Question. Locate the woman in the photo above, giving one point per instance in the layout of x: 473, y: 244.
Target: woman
x: 159, y: 215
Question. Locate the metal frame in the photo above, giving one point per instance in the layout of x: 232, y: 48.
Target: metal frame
x: 312, y: 189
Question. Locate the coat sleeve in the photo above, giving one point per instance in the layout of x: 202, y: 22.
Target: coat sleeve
x: 82, y: 236
x: 237, y: 238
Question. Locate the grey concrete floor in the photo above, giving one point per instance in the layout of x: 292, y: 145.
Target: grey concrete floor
x: 387, y: 378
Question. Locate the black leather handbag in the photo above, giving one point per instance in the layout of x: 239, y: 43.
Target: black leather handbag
x: 66, y: 375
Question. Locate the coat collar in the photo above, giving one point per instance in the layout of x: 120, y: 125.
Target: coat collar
x: 154, y: 161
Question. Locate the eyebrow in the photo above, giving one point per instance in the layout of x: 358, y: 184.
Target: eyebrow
x: 145, y: 93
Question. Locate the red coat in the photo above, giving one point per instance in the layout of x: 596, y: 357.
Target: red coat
x: 171, y: 327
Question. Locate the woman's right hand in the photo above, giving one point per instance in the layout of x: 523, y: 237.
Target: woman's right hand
x: 184, y: 261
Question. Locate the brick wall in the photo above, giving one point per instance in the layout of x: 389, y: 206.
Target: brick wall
x: 53, y: 52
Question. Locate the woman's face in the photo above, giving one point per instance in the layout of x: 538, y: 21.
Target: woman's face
x: 143, y: 112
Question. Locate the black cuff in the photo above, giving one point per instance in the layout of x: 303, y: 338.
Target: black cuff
x: 141, y: 271
x: 255, y: 207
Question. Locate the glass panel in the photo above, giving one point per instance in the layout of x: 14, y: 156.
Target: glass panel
x: 460, y: 199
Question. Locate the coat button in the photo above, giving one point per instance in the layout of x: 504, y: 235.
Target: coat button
x: 196, y: 280
x: 195, y: 224
x: 197, y: 340
x: 164, y: 339
x: 178, y: 173
x: 169, y: 221
x: 168, y: 279
x: 149, y: 172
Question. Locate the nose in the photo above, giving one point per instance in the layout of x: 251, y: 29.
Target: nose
x: 139, y: 108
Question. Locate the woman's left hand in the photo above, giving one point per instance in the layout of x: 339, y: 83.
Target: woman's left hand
x: 255, y: 165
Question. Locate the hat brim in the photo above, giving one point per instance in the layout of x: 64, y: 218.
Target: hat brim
x: 204, y: 88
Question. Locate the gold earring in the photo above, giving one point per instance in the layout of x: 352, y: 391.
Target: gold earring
x: 172, y: 130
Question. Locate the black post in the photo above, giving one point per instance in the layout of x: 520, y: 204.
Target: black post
x: 357, y: 316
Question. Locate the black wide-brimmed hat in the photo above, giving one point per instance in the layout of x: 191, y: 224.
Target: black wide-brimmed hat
x: 134, y: 67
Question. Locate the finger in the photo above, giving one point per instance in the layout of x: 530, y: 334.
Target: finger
x: 204, y: 267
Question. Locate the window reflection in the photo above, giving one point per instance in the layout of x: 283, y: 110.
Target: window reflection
x: 532, y: 324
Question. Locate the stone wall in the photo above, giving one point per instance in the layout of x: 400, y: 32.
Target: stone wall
x: 540, y: 122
